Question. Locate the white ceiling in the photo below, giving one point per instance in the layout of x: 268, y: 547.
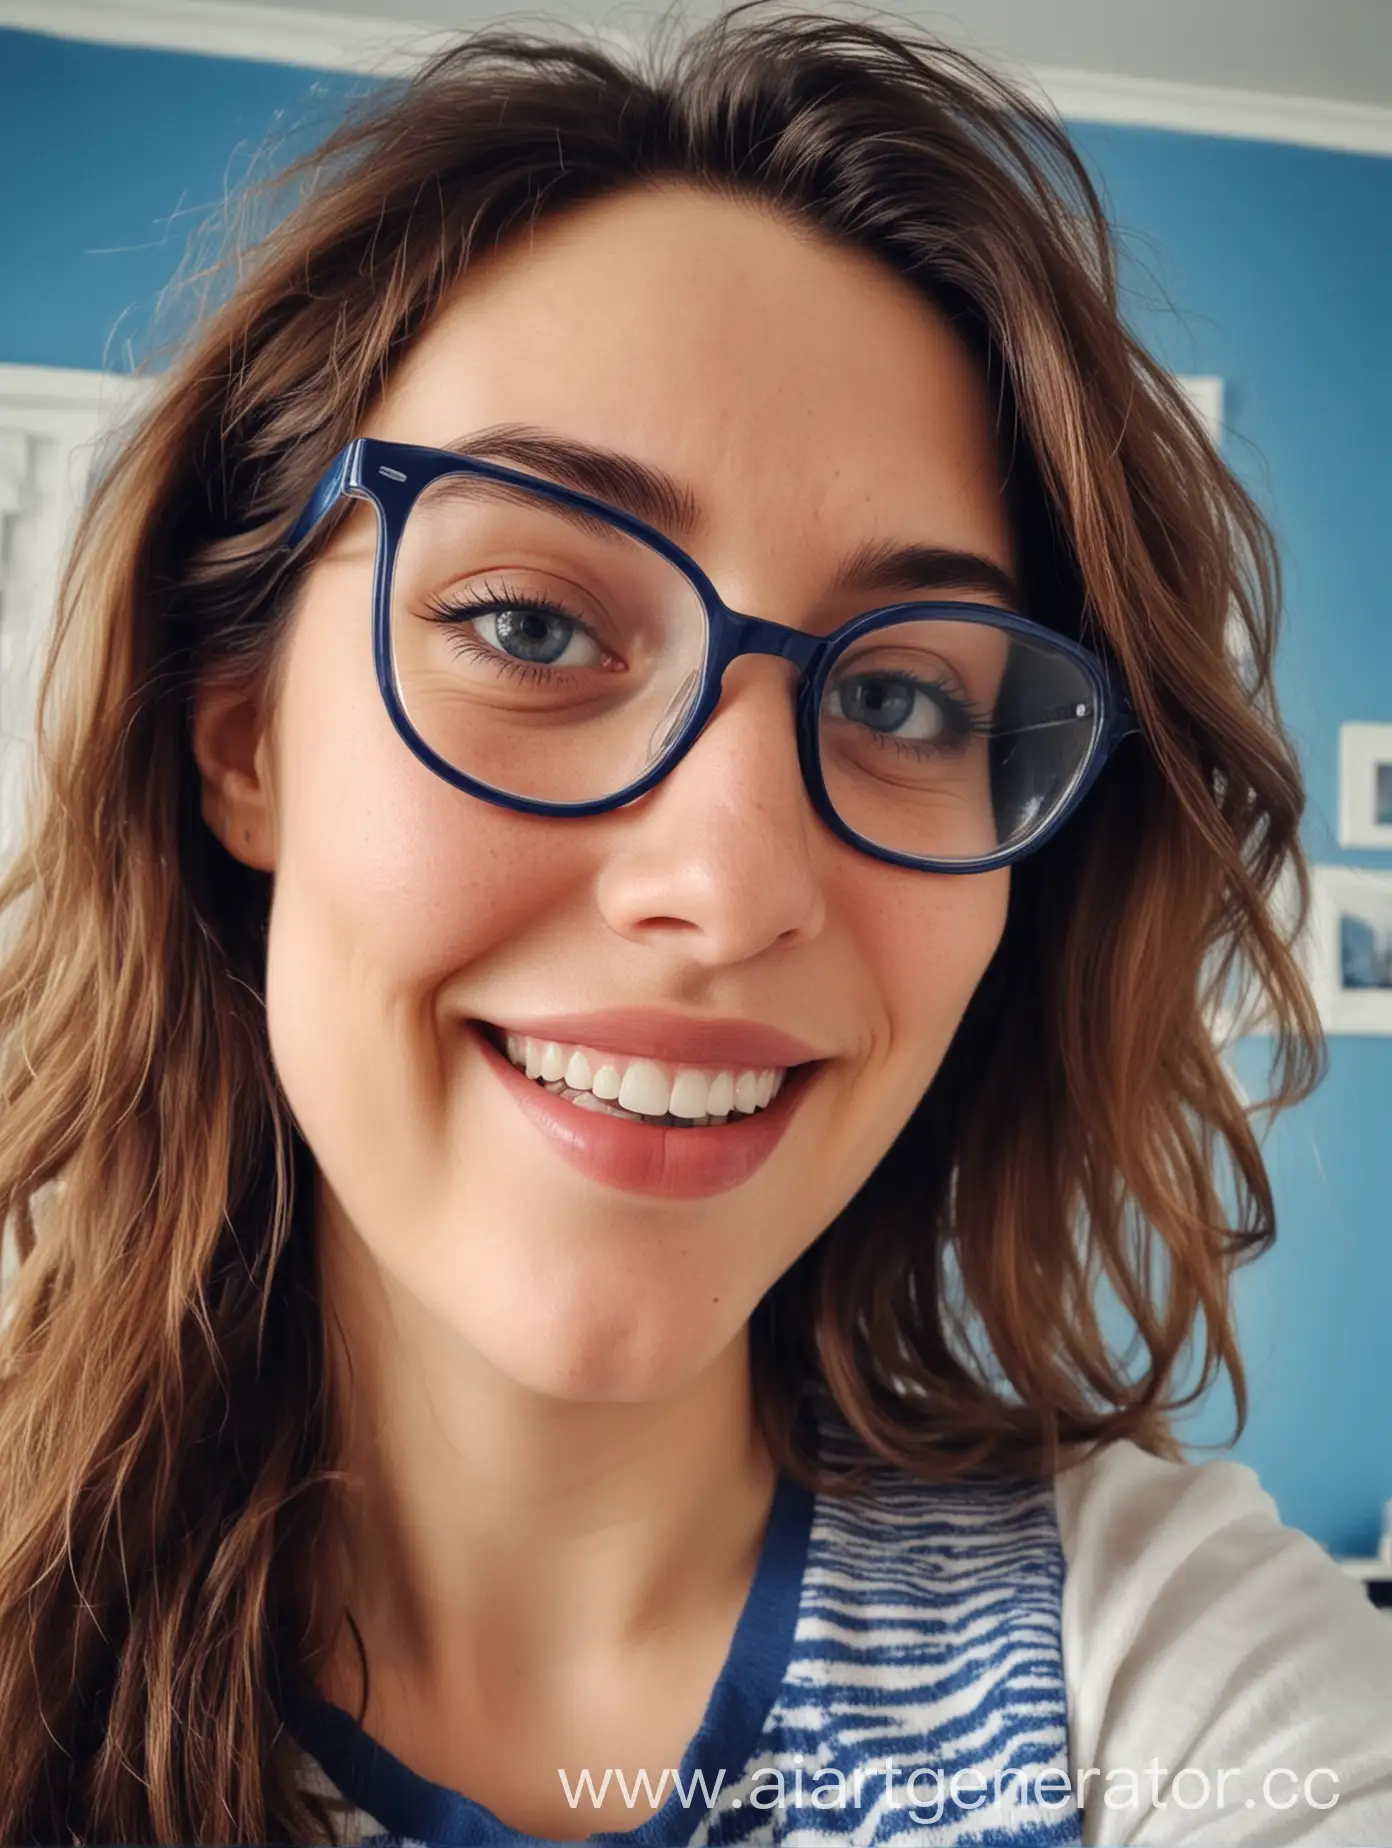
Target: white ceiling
x: 1336, y: 49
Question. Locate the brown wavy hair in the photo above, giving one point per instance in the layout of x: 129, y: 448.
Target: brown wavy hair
x: 170, y: 1491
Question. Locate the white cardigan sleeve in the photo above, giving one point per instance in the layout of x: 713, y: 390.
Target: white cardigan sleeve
x: 1227, y: 1683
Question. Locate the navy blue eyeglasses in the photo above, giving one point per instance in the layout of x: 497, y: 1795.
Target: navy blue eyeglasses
x: 545, y: 651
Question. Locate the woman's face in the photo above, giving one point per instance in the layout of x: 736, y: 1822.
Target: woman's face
x: 810, y: 406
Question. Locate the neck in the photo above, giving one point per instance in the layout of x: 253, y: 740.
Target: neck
x: 488, y: 1517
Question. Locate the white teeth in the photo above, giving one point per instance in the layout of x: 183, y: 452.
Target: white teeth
x: 690, y: 1095
x: 645, y: 1089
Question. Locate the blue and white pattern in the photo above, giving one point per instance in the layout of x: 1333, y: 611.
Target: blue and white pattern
x: 928, y: 1638
x: 897, y: 1678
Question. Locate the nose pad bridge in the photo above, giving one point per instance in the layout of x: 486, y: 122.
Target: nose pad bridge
x: 738, y: 636
x: 756, y: 635
x: 674, y: 716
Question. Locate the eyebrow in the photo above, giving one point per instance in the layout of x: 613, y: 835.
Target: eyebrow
x: 652, y: 495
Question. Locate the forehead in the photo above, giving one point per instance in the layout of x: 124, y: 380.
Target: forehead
x: 800, y: 390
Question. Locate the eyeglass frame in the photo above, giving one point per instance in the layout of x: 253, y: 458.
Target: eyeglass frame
x: 392, y: 476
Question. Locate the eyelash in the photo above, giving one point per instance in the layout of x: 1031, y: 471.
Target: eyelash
x: 489, y: 600
x: 967, y: 719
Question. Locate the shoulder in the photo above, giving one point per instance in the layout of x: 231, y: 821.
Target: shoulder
x: 1199, y: 1539
x: 1130, y: 1521
x: 1200, y: 1631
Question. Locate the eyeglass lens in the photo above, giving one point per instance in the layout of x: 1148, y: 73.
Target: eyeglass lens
x: 548, y: 655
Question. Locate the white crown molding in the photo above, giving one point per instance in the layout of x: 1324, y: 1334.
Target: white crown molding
x: 216, y: 28
x: 384, y: 47
x: 1207, y: 109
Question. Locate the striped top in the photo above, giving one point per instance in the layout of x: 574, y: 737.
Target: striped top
x: 896, y: 1676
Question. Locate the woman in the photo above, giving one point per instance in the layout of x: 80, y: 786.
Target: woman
x: 641, y: 810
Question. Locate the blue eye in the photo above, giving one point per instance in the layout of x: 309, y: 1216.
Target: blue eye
x: 537, y: 635
x: 894, y: 704
x: 516, y: 631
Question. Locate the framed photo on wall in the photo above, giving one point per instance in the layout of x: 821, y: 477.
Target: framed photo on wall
x: 1350, y: 948
x: 1205, y: 393
x: 1365, y: 785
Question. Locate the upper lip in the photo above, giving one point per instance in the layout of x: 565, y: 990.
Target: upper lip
x: 680, y: 1039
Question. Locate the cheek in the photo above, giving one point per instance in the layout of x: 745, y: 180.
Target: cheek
x: 388, y: 882
x: 917, y: 947
x: 389, y: 865
x: 930, y: 938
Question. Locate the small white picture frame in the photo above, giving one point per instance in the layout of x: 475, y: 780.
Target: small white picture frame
x: 1350, y: 949
x: 1365, y: 786
x: 1205, y: 394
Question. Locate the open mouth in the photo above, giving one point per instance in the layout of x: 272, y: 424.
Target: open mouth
x: 638, y: 1090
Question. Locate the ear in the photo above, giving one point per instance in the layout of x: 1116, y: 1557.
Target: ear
x: 231, y: 746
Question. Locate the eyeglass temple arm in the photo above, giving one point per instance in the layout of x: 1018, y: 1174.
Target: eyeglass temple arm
x: 328, y: 489
x: 1122, y: 720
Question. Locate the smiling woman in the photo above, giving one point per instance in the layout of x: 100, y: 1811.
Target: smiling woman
x: 640, y: 811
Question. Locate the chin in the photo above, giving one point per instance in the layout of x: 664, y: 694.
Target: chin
x: 622, y: 1351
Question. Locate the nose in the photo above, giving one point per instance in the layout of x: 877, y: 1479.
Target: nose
x: 721, y: 860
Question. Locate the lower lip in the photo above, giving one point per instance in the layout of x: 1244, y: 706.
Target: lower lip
x: 650, y: 1158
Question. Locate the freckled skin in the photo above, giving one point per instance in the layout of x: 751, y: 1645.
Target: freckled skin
x: 812, y: 403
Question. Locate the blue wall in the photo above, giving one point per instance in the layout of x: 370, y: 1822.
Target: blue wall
x: 1280, y: 261
x: 112, y: 158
